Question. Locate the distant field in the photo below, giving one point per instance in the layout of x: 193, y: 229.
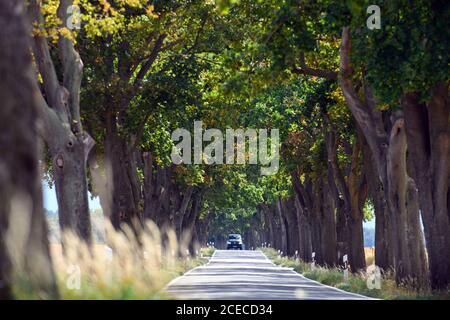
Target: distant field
x: 370, y: 255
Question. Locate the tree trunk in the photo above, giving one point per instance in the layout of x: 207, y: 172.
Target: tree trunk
x: 190, y: 218
x: 289, y: 211
x: 352, y: 187
x: 316, y: 220
x: 149, y: 187
x: 100, y: 186
x: 268, y: 225
x: 20, y: 184
x: 357, y: 188
x: 202, y: 229
x: 125, y: 184
x: 305, y: 248
x: 427, y: 131
x: 342, y: 232
x: 397, y: 179
x: 338, y: 191
x: 69, y: 173
x: 61, y: 129
x: 415, y: 238
x: 368, y: 118
x: 329, y: 245
x: 275, y: 221
x: 181, y: 209
x: 383, y: 252
x: 282, y: 227
x: 303, y: 206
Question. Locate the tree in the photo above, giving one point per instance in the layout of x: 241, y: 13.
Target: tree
x: 20, y: 186
x: 143, y: 90
x: 406, y: 65
x: 59, y: 110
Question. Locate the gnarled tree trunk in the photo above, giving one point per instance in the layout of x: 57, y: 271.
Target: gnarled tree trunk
x: 303, y: 204
x: 62, y: 131
x: 383, y: 251
x: 329, y: 244
x: 397, y: 179
x: 369, y: 119
x: 427, y: 131
x: 282, y: 226
x: 352, y: 188
x: 415, y: 238
x: 292, y: 227
x: 20, y: 183
x: 126, y: 191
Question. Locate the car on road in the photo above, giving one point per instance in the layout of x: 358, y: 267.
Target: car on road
x: 235, y: 242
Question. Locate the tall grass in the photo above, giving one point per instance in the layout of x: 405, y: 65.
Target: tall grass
x: 356, y: 282
x: 128, y: 267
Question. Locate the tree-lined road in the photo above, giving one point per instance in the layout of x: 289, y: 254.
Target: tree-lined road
x: 249, y: 275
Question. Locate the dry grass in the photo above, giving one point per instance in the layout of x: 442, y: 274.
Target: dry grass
x: 356, y: 282
x: 128, y: 268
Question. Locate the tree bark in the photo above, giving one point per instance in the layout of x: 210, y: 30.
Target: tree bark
x: 368, y: 118
x: 20, y: 186
x: 202, y: 229
x: 289, y: 211
x: 316, y: 220
x: 182, y: 208
x: 62, y: 131
x: 329, y: 244
x: 352, y: 187
x: 397, y: 179
x: 383, y: 252
x: 125, y: 184
x: 340, y: 194
x: 427, y: 131
x: 100, y: 186
x: 415, y: 238
x: 282, y: 227
x: 357, y: 187
x: 303, y: 205
x: 268, y: 225
x: 188, y: 224
x: 276, y: 227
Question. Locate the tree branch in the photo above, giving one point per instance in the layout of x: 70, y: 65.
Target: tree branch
x: 72, y: 71
x: 57, y: 96
x: 321, y: 73
x: 150, y: 60
x: 365, y: 114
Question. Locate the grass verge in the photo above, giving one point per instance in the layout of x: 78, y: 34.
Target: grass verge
x: 356, y: 283
x: 127, y: 269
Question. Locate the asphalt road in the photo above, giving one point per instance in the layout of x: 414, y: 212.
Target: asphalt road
x: 249, y: 275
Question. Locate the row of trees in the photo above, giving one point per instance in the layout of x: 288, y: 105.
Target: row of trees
x: 372, y: 134
x: 363, y: 117
x: 103, y: 100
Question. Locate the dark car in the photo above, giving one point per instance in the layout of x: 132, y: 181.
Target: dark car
x: 235, y: 242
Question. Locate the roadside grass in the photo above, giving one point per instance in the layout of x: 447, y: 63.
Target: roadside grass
x: 207, y: 252
x: 127, y: 269
x: 356, y: 282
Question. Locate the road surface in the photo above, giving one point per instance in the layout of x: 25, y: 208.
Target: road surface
x: 249, y: 275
